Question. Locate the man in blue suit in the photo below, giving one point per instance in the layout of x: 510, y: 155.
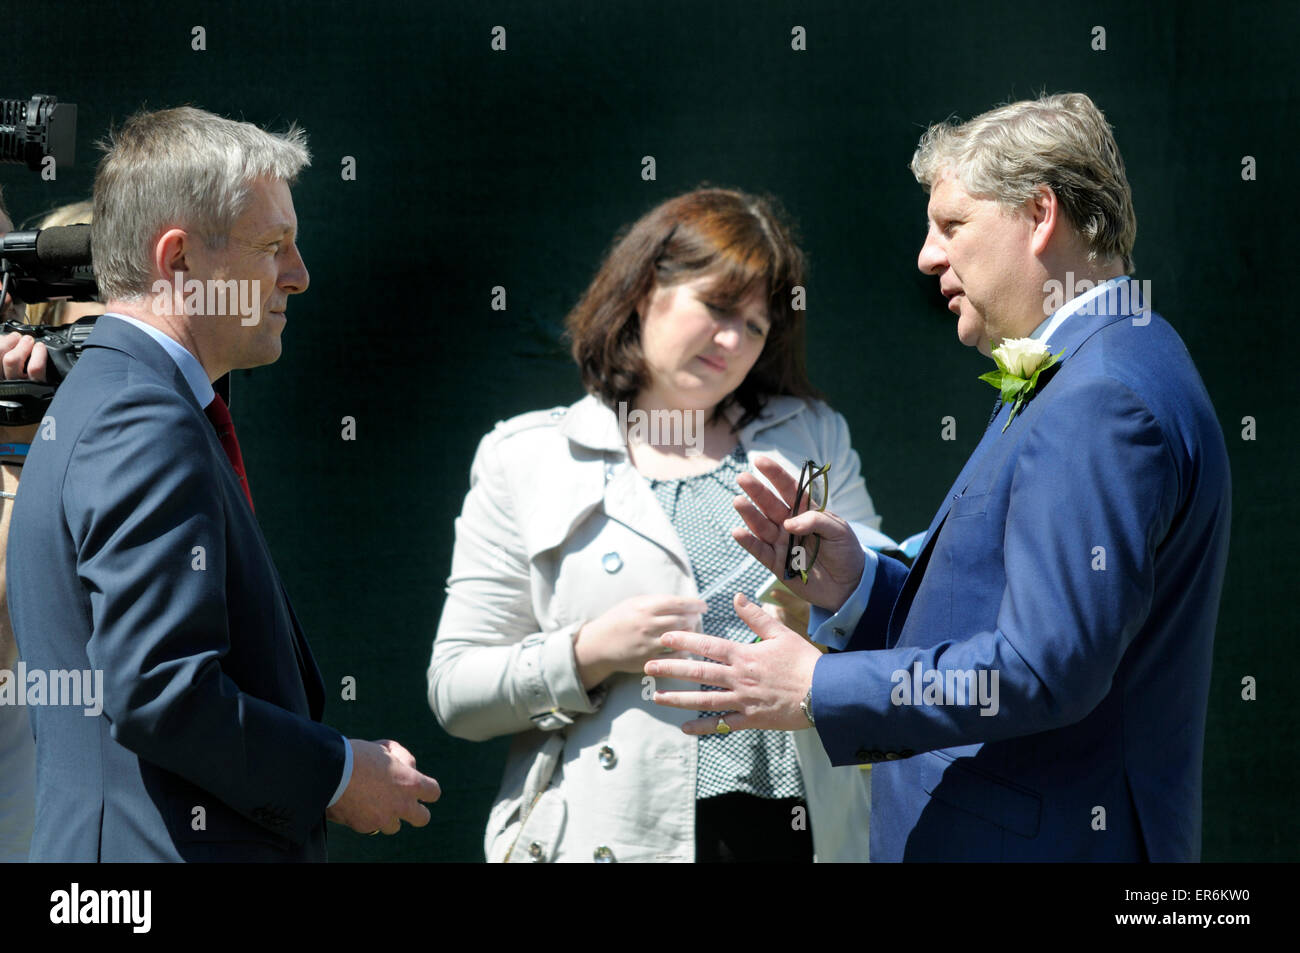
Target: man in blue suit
x: 135, y: 555
x: 1035, y: 687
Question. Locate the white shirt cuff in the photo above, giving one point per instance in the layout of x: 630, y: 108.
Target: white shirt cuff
x: 347, y: 773
x: 834, y: 630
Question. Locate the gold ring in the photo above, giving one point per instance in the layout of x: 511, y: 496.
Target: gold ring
x: 373, y: 833
x: 723, y: 728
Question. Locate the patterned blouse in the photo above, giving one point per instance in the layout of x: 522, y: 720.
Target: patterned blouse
x: 761, y: 763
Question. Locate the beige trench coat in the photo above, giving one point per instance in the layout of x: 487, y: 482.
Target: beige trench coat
x: 557, y: 528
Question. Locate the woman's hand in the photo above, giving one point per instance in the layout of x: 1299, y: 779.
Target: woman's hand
x: 837, y: 569
x: 626, y: 636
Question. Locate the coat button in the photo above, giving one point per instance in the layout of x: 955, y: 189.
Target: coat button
x: 863, y: 756
x: 606, y: 757
x: 536, y: 853
x: 602, y: 855
x: 612, y: 562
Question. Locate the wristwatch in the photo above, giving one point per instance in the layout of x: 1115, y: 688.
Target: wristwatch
x: 806, y: 707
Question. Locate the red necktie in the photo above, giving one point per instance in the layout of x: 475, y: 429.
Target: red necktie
x: 219, y: 414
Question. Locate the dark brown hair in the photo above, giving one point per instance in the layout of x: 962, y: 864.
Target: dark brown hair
x: 740, y: 238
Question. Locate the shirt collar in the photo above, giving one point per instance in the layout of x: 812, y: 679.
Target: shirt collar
x: 189, y: 365
x: 1054, y: 321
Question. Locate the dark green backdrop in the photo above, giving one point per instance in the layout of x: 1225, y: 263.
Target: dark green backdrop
x: 478, y: 168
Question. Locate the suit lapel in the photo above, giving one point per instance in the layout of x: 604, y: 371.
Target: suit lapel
x: 607, y: 479
x: 629, y: 500
x: 913, y: 582
x: 991, y: 434
x: 115, y: 334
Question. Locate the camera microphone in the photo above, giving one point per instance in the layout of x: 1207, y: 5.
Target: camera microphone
x: 48, y: 263
x: 64, y: 246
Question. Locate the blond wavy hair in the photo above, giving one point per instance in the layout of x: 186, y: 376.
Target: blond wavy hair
x: 1061, y: 141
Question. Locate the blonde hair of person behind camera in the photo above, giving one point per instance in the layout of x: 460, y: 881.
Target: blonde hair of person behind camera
x: 76, y: 213
x: 1061, y: 141
x: 182, y: 167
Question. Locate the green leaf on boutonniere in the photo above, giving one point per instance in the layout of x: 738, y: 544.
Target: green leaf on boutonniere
x: 1012, y: 387
x: 1015, y: 390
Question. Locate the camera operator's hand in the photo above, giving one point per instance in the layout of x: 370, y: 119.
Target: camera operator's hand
x: 23, y: 358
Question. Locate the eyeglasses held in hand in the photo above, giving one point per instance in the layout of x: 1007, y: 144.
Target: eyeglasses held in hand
x: 801, y: 551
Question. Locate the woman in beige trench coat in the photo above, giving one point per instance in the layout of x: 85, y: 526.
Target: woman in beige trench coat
x: 567, y: 565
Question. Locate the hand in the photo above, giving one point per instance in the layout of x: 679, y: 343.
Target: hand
x: 764, y: 682
x: 838, y: 568
x: 22, y: 358
x: 385, y: 790
x: 625, y: 636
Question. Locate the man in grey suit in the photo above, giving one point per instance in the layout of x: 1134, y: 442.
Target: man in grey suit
x: 136, y: 552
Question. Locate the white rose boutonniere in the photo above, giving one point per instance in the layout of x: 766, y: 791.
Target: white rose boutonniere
x: 1020, y: 361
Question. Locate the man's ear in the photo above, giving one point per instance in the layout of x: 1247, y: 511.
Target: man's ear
x: 1045, y: 210
x: 170, y: 251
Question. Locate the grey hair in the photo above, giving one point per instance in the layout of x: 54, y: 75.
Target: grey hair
x: 1061, y: 141
x: 183, y: 168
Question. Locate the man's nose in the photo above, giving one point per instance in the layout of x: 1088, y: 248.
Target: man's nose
x: 932, y: 259
x: 294, y: 277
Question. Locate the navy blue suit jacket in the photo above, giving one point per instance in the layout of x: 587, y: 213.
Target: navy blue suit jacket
x: 1080, y: 556
x: 134, y: 552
